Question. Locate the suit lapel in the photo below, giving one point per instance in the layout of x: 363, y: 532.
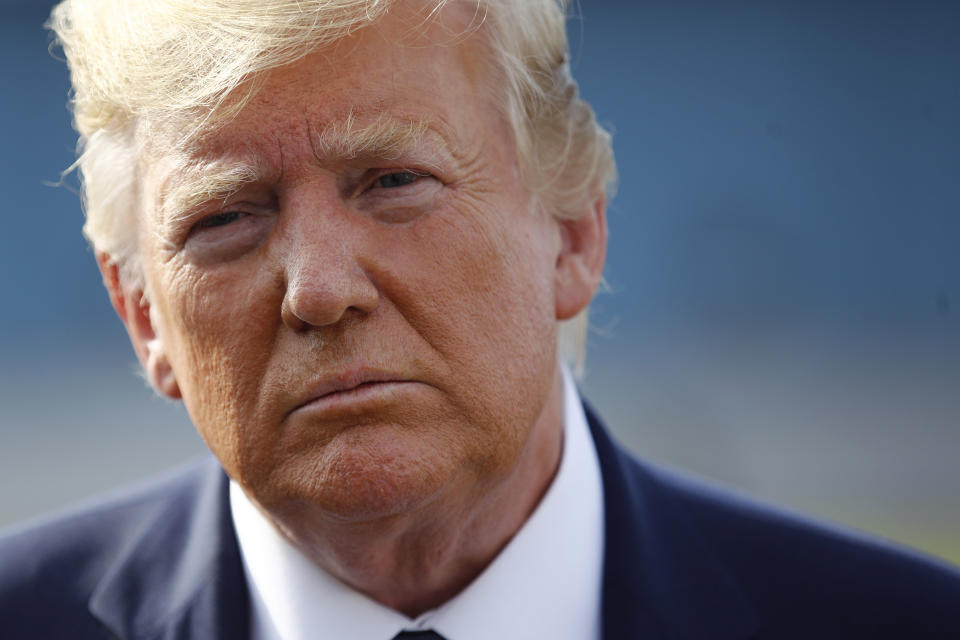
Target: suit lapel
x: 659, y: 579
x: 181, y: 574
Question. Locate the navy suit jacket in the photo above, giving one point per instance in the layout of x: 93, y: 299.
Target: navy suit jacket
x: 682, y: 561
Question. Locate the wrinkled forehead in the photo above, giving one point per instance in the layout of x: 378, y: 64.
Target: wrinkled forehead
x: 414, y: 29
x: 190, y: 179
x: 459, y: 26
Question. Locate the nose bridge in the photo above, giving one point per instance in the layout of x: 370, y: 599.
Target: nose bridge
x: 325, y: 279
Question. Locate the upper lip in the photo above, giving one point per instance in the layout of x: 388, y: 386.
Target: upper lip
x: 345, y: 381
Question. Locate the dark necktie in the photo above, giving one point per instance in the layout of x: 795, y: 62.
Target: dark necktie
x: 419, y: 635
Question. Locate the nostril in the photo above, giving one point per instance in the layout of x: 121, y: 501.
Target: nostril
x: 290, y: 317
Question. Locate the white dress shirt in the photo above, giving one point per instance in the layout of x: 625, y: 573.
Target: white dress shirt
x: 544, y: 584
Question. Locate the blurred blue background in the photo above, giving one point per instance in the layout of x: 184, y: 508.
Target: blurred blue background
x: 784, y: 268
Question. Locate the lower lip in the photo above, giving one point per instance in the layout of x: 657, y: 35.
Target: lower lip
x: 359, y: 399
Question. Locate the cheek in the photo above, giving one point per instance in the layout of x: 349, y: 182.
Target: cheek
x: 501, y: 285
x: 478, y: 288
x: 219, y: 329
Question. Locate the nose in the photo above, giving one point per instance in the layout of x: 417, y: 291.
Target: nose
x: 325, y: 279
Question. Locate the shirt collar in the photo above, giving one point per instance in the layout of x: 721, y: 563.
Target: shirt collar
x: 544, y: 584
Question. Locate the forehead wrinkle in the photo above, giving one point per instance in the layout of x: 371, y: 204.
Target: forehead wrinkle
x: 197, y: 181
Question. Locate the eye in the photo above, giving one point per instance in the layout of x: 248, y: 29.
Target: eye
x: 219, y: 219
x: 397, y: 195
x: 397, y: 179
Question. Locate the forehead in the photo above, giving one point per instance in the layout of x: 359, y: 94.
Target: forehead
x: 411, y: 65
x: 408, y: 80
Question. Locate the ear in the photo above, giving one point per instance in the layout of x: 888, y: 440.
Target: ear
x: 583, y: 251
x: 134, y: 312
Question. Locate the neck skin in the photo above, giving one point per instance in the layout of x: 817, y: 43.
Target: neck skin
x: 414, y: 562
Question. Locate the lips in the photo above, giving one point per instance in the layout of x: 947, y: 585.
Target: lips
x: 351, y: 389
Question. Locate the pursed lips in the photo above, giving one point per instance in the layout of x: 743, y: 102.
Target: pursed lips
x: 349, y: 383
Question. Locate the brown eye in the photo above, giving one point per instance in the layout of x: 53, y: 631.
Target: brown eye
x: 398, y: 179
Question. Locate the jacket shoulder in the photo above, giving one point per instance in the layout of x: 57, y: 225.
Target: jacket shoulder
x: 49, y: 568
x: 796, y: 568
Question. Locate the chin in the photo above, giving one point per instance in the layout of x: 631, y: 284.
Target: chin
x: 366, y: 474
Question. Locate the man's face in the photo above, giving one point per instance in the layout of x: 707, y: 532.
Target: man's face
x: 367, y: 324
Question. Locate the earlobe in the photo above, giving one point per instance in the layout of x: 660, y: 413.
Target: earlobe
x: 134, y: 312
x: 580, y: 261
x: 158, y: 370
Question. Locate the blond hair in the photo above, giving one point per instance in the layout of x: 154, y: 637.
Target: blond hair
x: 136, y: 64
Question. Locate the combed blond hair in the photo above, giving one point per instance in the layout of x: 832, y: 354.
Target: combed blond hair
x: 138, y: 64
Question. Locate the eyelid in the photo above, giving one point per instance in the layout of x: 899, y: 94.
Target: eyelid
x: 202, y: 222
x: 193, y: 222
x: 199, y: 222
x: 246, y: 230
x: 382, y: 173
x: 423, y: 173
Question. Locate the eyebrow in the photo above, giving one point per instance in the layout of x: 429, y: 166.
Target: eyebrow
x: 385, y: 138
x: 200, y: 181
